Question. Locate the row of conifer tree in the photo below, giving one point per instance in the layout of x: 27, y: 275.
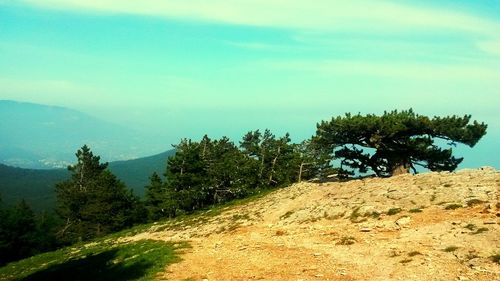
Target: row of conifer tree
x: 94, y: 202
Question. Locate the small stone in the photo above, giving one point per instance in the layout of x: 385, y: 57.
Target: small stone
x: 403, y: 221
x: 317, y: 254
x: 319, y: 275
x: 365, y: 229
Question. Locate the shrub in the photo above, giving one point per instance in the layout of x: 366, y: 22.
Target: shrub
x: 453, y: 206
x: 393, y: 211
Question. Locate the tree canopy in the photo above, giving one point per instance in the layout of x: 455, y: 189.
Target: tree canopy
x: 93, y: 201
x: 211, y: 171
x: 397, y: 141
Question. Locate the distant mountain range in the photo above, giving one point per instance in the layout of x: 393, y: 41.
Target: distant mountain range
x: 37, y: 186
x: 44, y: 137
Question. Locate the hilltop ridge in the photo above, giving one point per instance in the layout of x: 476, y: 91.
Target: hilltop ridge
x: 430, y: 226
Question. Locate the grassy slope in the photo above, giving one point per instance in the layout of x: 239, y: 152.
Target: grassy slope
x: 102, y: 260
x: 105, y: 259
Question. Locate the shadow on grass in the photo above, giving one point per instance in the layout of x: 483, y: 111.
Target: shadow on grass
x: 102, y: 266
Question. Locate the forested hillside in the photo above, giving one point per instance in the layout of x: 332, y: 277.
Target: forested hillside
x: 37, y: 186
x: 93, y: 201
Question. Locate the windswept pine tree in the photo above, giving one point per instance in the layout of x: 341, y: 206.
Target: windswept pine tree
x: 93, y: 202
x: 396, y: 142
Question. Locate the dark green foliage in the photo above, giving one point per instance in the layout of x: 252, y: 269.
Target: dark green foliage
x: 204, y: 173
x: 37, y: 186
x: 17, y: 232
x: 24, y: 233
x: 141, y: 260
x: 397, y: 141
x: 209, y: 172
x: 135, y: 173
x: 313, y: 160
x: 94, y: 202
x: 270, y: 160
x: 160, y: 201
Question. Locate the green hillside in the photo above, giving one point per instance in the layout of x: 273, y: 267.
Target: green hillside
x: 37, y: 186
x: 135, y: 173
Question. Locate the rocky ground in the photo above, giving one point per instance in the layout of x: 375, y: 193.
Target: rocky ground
x: 431, y: 226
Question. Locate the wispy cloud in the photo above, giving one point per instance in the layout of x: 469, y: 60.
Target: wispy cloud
x: 19, y: 86
x: 52, y: 91
x: 396, y: 70
x: 323, y: 15
x: 267, y: 46
x: 490, y: 47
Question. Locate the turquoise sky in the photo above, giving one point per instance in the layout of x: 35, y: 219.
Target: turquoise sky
x: 185, y: 68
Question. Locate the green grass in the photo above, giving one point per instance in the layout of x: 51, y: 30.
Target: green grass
x: 104, y: 259
x: 199, y: 217
x: 97, y: 261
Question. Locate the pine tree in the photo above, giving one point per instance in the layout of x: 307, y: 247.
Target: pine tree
x: 185, y: 176
x: 93, y: 201
x: 396, y: 142
x: 313, y: 160
x: 160, y: 201
x: 17, y: 232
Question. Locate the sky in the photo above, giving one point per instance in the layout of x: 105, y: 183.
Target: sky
x: 185, y: 68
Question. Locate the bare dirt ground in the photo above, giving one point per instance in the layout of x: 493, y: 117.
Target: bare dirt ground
x: 432, y: 226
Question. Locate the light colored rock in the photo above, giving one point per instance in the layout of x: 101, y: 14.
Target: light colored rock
x: 321, y: 219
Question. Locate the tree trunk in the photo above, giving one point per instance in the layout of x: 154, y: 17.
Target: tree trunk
x: 400, y: 168
x: 300, y: 171
x: 273, y: 165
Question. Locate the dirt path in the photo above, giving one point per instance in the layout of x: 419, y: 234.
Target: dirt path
x: 445, y: 226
